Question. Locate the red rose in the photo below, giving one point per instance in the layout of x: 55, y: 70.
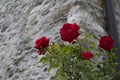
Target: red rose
x: 86, y: 55
x: 69, y: 32
x: 41, y: 44
x: 106, y: 42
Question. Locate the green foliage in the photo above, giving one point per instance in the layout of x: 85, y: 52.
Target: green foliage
x: 68, y: 60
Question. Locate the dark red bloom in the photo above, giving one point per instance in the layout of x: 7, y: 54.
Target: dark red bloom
x: 106, y: 42
x: 69, y: 32
x: 41, y: 44
x: 86, y: 55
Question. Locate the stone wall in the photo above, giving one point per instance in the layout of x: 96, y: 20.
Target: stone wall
x: 24, y: 21
x: 117, y: 11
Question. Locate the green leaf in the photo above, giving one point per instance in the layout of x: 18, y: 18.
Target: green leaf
x: 54, y: 63
x: 92, y: 45
x: 89, y: 35
x: 44, y: 59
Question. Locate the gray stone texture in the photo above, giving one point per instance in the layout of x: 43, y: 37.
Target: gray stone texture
x: 117, y: 12
x: 24, y: 21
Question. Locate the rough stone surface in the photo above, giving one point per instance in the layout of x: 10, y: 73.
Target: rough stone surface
x: 117, y: 11
x: 23, y: 21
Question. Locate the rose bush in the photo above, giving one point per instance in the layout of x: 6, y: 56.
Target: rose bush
x: 74, y: 61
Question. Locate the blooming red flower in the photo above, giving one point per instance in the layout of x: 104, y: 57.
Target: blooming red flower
x: 86, y: 55
x: 69, y: 32
x: 106, y: 42
x: 41, y: 44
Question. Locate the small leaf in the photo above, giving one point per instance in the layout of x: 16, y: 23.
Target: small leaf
x: 89, y: 35
x: 44, y: 59
x: 93, y: 45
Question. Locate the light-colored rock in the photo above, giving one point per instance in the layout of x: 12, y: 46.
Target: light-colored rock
x: 24, y: 21
x: 117, y: 12
x: 85, y: 20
